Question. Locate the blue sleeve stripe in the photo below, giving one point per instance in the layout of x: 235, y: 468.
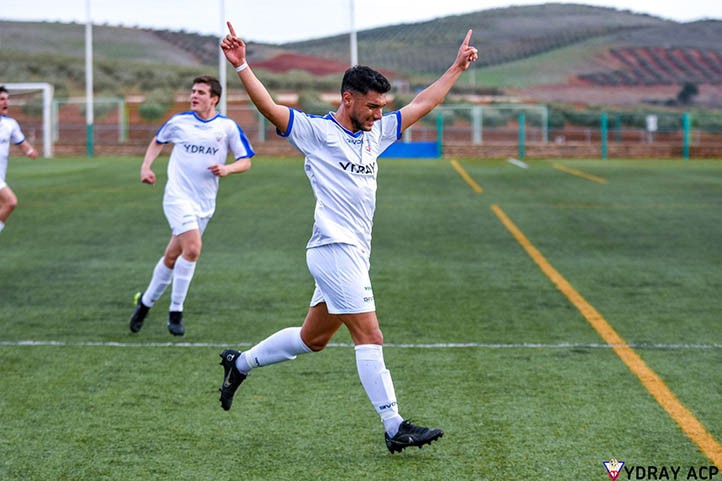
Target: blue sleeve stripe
x: 397, y: 113
x: 290, y: 124
x: 246, y: 144
x: 161, y: 128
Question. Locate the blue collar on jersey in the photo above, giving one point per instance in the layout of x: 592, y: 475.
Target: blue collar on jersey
x: 204, y: 120
x: 352, y: 134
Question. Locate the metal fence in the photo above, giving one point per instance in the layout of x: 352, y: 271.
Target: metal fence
x: 473, y: 130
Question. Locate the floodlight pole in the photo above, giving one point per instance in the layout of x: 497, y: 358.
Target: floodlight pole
x: 522, y: 135
x: 605, y: 129
x: 89, y: 79
x: 686, y: 127
x: 222, y: 70
x: 354, y: 43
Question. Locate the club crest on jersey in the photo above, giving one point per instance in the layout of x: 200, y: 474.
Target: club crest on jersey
x: 200, y: 149
x: 367, y: 169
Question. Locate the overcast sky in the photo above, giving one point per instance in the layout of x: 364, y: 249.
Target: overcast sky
x: 278, y: 21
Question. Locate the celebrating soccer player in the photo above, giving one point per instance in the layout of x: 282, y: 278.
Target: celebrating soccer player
x: 341, y: 151
x: 202, y: 139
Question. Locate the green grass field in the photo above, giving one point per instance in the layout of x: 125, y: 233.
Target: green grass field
x: 479, y: 340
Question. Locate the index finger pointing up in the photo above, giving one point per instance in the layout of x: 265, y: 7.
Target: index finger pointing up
x: 233, y: 32
x: 466, y: 40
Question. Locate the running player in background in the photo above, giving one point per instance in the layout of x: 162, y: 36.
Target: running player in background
x: 202, y: 139
x: 341, y: 149
x: 9, y: 132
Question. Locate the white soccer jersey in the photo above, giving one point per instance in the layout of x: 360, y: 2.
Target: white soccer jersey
x: 9, y: 132
x: 342, y: 168
x: 198, y: 144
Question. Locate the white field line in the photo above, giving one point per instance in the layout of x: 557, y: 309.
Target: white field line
x: 452, y: 345
x: 517, y: 162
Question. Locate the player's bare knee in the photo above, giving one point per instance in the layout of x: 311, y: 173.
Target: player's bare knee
x: 373, y: 336
x: 377, y: 338
x: 367, y: 336
x: 10, y: 204
x: 192, y: 256
x: 170, y: 258
x: 317, y: 343
x: 192, y: 252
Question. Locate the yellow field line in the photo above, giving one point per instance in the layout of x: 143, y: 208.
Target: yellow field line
x: 651, y: 381
x: 579, y: 173
x: 465, y: 175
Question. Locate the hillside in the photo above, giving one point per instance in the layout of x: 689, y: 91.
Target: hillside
x: 538, y: 52
x: 109, y: 43
x: 502, y: 35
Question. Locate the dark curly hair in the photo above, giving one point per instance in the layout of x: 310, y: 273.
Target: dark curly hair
x: 363, y: 79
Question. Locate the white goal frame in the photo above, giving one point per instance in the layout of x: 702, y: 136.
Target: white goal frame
x: 48, y: 92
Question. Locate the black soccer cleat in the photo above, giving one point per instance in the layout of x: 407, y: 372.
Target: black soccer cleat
x: 175, y: 323
x: 411, y: 435
x: 232, y: 377
x: 141, y: 312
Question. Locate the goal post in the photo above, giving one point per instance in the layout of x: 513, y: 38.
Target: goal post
x: 48, y: 93
x: 499, y: 119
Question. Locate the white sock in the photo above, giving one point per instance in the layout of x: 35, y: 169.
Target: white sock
x: 284, y: 345
x: 376, y: 380
x: 2, y: 225
x: 162, y: 276
x: 182, y: 276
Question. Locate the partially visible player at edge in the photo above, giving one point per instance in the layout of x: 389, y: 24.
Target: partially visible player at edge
x: 341, y: 149
x: 202, y: 139
x: 9, y: 132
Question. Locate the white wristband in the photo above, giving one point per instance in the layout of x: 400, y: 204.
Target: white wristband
x: 242, y: 67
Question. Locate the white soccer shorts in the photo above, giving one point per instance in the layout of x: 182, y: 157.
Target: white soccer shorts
x: 182, y: 218
x: 341, y: 272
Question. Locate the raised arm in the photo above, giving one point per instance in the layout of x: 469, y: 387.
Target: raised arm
x: 434, y: 94
x: 235, y: 51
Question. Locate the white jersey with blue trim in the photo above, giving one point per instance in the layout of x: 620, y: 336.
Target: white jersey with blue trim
x: 342, y: 168
x: 198, y: 144
x: 9, y: 132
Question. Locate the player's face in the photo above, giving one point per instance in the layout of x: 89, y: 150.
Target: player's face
x: 3, y: 103
x: 201, y: 101
x: 366, y: 109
